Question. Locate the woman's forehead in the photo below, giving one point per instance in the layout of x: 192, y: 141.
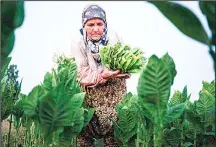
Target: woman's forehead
x: 95, y: 20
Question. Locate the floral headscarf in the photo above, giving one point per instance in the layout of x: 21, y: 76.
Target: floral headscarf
x: 94, y: 11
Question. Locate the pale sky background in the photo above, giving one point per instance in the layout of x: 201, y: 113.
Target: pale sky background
x: 50, y: 26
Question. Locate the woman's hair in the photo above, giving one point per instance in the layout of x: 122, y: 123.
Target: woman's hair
x: 93, y: 11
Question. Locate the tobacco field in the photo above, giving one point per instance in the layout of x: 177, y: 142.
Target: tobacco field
x: 53, y: 113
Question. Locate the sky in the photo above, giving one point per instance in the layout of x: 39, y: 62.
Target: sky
x: 50, y: 26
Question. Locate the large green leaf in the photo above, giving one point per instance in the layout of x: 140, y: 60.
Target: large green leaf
x: 205, y: 102
x: 127, y: 118
x: 54, y: 114
x: 154, y: 86
x: 127, y: 125
x: 12, y: 17
x: 174, y: 112
x: 171, y: 136
x: 60, y: 95
x: 171, y: 65
x: 184, y: 19
x: 30, y: 104
x: 208, y: 8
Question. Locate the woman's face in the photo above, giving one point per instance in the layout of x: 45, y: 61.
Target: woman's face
x: 94, y: 28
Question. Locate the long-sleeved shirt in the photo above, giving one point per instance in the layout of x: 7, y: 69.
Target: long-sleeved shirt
x: 89, y: 71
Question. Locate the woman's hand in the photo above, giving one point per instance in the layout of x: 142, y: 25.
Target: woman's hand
x: 114, y: 74
x: 106, y: 74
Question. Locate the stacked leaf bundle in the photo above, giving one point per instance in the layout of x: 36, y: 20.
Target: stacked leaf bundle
x: 125, y: 58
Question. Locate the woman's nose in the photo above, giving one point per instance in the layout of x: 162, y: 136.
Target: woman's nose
x: 95, y: 28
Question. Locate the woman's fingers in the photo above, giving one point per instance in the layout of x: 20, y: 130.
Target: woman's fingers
x: 123, y: 76
x: 109, y: 74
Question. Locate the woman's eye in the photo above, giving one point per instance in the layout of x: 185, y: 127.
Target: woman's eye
x: 100, y: 24
x: 90, y: 25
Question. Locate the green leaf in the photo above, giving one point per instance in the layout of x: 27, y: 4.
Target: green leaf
x: 47, y: 133
x: 187, y: 144
x: 77, y: 100
x: 20, y: 14
x: 30, y: 104
x: 98, y: 142
x: 7, y: 46
x: 205, y: 102
x: 18, y: 107
x: 7, y: 99
x: 12, y: 17
x: 47, y: 83
x: 171, y: 65
x: 88, y: 114
x: 184, y: 94
x: 127, y: 126
x: 193, y: 118
x: 55, y: 114
x: 184, y: 19
x: 77, y: 120
x: 179, y: 97
x: 127, y: 118
x: 172, y: 136
x: 154, y: 86
x: 5, y: 66
x: 174, y: 112
x: 210, y: 87
x: 208, y: 8
x: 176, y: 98
x: 66, y: 136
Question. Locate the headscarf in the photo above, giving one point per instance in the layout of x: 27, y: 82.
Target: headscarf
x: 94, y: 11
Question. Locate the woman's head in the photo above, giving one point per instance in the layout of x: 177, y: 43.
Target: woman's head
x: 94, y: 22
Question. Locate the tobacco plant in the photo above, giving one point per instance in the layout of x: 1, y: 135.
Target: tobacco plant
x: 56, y: 105
x: 152, y: 118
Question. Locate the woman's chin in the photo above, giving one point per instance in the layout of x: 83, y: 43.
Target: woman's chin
x: 96, y: 38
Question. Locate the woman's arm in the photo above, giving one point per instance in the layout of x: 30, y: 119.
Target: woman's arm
x: 86, y: 75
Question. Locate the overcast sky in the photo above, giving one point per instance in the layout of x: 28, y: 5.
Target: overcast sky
x: 50, y: 26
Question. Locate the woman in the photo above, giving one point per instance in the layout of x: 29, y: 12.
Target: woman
x: 104, y: 88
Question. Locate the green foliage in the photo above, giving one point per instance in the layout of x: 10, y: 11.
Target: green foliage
x: 184, y: 19
x: 208, y: 8
x: 125, y: 58
x: 154, y: 91
x: 18, y: 111
x: 179, y: 97
x: 171, y: 137
x: 10, y: 88
x: 205, y: 102
x: 209, y: 87
x: 189, y: 24
x: 171, y: 65
x: 12, y: 17
x: 127, y: 112
x: 56, y: 106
